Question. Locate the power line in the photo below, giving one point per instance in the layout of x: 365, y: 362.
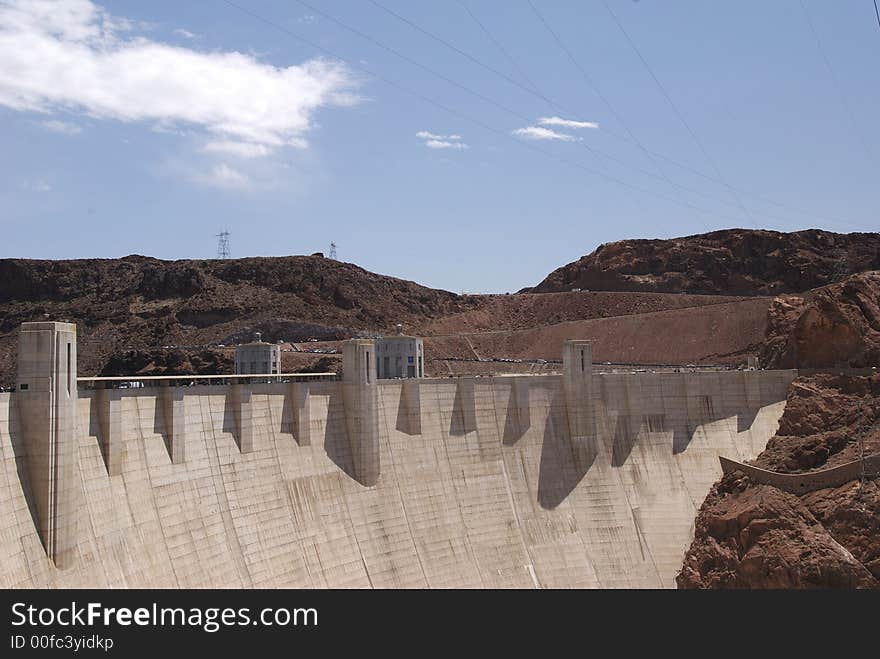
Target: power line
x: 557, y: 107
x: 877, y: 11
x: 672, y: 104
x: 595, y: 152
x: 533, y: 88
x: 598, y: 92
x: 455, y: 112
x: 501, y: 106
x: 465, y: 117
x: 858, y: 134
x: 503, y: 51
x: 560, y: 108
x: 551, y: 104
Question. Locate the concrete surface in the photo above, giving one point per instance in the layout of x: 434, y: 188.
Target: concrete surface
x: 469, y: 483
x: 808, y: 481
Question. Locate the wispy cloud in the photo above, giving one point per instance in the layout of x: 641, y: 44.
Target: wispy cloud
x: 237, y: 149
x: 222, y: 175
x: 539, y: 133
x: 186, y: 34
x: 566, y: 123
x: 73, y: 55
x: 36, y: 185
x: 445, y: 144
x: 63, y: 127
x: 435, y: 141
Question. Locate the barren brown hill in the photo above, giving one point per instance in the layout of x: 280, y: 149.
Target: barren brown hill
x: 721, y: 333
x: 127, y: 309
x: 142, y: 315
x: 496, y: 313
x: 728, y: 262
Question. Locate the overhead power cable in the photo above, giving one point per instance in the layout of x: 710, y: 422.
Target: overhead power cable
x: 662, y: 176
x: 589, y: 80
x: 672, y: 104
x: 533, y: 88
x: 465, y: 117
x: 559, y: 108
x: 593, y: 150
x: 503, y: 51
x: 477, y: 122
x: 838, y: 87
x: 520, y: 116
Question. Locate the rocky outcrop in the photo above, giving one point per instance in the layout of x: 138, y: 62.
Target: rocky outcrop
x: 757, y: 536
x: 837, y: 325
x: 728, y: 262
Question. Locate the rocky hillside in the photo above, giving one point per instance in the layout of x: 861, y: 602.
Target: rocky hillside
x: 837, y: 325
x: 127, y: 309
x: 756, y: 536
x: 729, y: 262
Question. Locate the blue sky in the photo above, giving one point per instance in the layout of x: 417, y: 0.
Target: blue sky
x: 132, y: 127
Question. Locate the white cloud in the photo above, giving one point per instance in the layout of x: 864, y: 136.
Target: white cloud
x: 73, y: 55
x: 63, y: 127
x: 566, y: 123
x: 538, y: 133
x: 37, y: 185
x: 434, y: 141
x: 445, y: 144
x: 222, y: 175
x: 237, y: 149
x: 186, y: 34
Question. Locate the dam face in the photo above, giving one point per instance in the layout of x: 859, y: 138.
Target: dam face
x: 485, y: 482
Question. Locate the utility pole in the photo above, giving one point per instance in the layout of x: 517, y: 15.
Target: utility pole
x: 223, y: 245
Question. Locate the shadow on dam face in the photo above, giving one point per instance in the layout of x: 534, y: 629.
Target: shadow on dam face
x: 682, y: 437
x: 401, y: 423
x: 517, y: 418
x: 562, y: 466
x: 623, y: 439
x: 161, y: 425
x: 230, y: 422
x: 19, y: 451
x: 746, y: 418
x: 464, y: 409
x: 336, y: 443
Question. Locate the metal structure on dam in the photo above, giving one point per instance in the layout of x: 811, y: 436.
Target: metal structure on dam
x: 574, y: 480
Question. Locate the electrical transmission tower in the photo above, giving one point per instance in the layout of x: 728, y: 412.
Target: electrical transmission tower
x: 333, y: 251
x: 223, y: 245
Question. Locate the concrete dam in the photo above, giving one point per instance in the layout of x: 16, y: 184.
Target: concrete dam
x: 583, y: 479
